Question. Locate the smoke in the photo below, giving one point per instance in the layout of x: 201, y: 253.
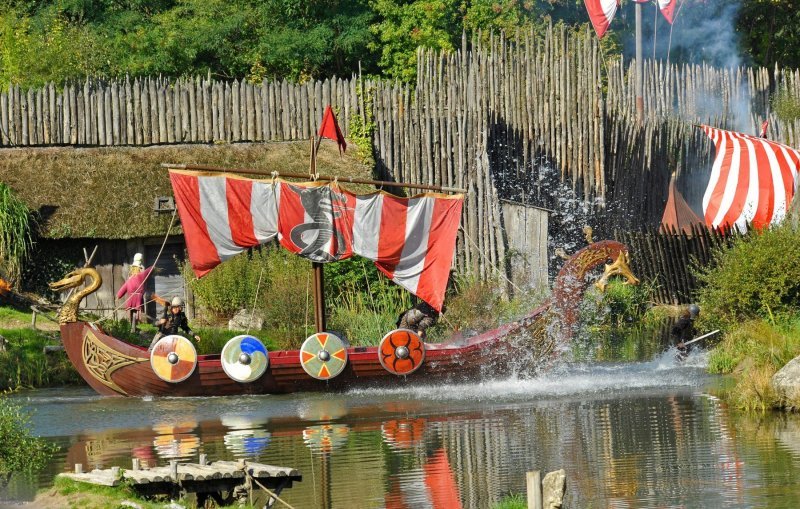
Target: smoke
x: 703, y: 32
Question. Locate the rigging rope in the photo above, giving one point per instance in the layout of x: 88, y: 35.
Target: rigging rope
x: 164, y: 243
x: 489, y: 262
x: 255, y: 300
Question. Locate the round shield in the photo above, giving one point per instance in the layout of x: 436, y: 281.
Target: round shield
x: 244, y: 358
x: 173, y: 358
x: 325, y: 437
x: 323, y: 355
x: 401, y: 352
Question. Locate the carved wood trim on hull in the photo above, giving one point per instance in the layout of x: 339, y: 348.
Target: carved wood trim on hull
x: 101, y: 361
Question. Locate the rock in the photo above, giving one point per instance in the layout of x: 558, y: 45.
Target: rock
x: 245, y: 319
x: 786, y: 383
x: 131, y: 504
x: 554, y: 485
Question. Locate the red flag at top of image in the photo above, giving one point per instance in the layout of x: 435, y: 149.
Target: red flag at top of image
x: 329, y: 128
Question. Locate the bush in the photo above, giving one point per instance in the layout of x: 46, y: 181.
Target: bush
x: 364, y: 314
x: 759, y: 277
x: 19, y: 450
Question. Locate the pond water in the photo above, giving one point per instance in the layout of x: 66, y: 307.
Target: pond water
x: 636, y: 434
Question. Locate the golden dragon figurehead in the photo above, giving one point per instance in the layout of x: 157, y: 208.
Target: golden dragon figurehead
x: 76, y: 278
x: 620, y: 267
x: 571, y: 281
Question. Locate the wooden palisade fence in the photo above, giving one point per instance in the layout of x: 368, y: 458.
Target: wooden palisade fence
x: 667, y: 258
x: 540, y: 119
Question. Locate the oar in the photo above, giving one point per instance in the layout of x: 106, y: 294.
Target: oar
x: 695, y: 340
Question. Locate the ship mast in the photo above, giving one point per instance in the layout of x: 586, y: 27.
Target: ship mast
x: 317, y: 267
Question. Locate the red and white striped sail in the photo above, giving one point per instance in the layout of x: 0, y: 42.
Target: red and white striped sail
x: 601, y: 12
x: 753, y: 180
x: 411, y: 240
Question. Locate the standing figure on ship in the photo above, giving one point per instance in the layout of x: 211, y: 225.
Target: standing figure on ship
x: 134, y: 287
x: 419, y: 318
x: 174, y: 318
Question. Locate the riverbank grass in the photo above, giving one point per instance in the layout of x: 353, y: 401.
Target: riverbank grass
x: 23, y: 362
x: 512, y: 502
x: 753, y: 353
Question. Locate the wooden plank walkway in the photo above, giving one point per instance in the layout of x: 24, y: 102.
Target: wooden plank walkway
x: 232, y: 478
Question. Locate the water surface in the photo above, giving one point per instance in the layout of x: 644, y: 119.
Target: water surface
x: 640, y: 434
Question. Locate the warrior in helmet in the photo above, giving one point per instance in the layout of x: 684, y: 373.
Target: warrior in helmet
x: 174, y: 318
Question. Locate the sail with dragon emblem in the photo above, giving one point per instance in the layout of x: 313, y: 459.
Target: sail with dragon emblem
x: 411, y: 240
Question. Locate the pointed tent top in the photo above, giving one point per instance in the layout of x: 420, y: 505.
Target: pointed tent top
x: 678, y: 215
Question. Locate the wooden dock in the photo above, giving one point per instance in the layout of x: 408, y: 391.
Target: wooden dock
x: 226, y: 482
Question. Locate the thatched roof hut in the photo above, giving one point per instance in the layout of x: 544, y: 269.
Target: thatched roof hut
x: 118, y: 199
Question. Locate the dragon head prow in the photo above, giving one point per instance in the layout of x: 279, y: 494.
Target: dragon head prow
x: 76, y: 278
x: 620, y: 267
x: 72, y: 280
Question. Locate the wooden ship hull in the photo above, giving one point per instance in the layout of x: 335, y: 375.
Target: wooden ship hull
x: 115, y: 368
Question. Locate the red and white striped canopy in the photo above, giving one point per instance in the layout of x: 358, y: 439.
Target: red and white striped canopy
x: 753, y: 180
x: 411, y: 240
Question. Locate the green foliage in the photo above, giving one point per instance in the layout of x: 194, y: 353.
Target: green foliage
x: 625, y: 303
x: 49, y: 262
x: 512, y: 502
x: 475, y: 305
x: 770, y: 32
x: 365, y: 305
x: 362, y: 129
x: 16, y: 240
x: 24, y: 363
x: 232, y: 285
x: 754, y: 352
x: 45, y: 47
x: 405, y: 26
x: 759, y: 277
x: 19, y: 450
x: 283, y: 299
x: 786, y: 105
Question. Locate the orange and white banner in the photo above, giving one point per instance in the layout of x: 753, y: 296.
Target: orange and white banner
x: 411, y: 240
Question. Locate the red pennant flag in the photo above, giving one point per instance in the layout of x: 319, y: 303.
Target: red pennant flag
x: 329, y: 128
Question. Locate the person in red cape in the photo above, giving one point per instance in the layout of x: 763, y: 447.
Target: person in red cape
x: 134, y: 288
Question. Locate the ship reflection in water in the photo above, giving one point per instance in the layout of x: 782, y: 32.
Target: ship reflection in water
x: 639, y: 435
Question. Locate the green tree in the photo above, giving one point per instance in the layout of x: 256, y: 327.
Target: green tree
x: 770, y: 32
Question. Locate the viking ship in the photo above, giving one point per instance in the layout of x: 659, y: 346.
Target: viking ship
x: 410, y: 240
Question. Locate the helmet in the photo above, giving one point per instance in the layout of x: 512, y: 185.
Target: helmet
x: 177, y: 302
x: 138, y: 260
x: 694, y: 310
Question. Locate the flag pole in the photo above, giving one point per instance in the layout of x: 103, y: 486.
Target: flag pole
x: 317, y: 267
x: 639, y: 65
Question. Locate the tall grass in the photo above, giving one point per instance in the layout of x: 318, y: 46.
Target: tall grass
x: 24, y: 363
x: 16, y: 237
x: 754, y: 352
